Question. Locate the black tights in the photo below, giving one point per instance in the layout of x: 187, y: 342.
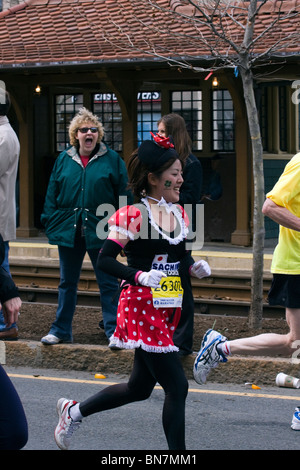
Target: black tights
x: 149, y: 368
x: 13, y: 422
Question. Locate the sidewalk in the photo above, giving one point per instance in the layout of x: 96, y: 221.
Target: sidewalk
x: 100, y: 359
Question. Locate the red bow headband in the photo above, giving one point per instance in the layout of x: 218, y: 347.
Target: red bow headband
x: 163, y: 141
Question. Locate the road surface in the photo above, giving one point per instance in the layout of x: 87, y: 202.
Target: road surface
x: 218, y: 416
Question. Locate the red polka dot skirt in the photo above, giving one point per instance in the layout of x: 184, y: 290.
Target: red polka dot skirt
x: 139, y: 324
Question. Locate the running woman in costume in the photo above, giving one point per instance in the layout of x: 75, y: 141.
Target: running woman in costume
x: 152, y: 233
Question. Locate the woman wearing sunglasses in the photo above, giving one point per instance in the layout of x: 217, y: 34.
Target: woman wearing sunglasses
x: 85, y: 176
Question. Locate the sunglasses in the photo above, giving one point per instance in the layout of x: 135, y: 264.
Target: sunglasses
x: 84, y: 130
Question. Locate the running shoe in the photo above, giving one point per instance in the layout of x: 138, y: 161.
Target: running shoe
x: 51, y: 339
x: 208, y: 357
x: 66, y: 426
x: 114, y: 343
x: 296, y: 419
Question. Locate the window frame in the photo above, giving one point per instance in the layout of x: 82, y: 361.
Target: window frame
x: 67, y: 114
x: 194, y: 125
x: 223, y: 109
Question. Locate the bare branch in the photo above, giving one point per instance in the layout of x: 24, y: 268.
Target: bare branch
x: 232, y: 41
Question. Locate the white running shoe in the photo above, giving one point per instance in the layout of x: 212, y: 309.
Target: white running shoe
x: 296, y: 419
x: 114, y: 343
x: 208, y: 357
x: 51, y: 339
x: 66, y: 426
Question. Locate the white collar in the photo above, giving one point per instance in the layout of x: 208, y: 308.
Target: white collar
x: 163, y: 203
x: 170, y: 207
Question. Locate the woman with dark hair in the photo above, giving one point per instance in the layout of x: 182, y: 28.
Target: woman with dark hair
x: 152, y: 233
x: 174, y: 125
x: 190, y: 194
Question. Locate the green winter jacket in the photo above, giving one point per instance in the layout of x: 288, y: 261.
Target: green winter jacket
x: 76, y: 196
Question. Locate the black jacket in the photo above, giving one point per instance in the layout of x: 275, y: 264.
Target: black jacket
x: 8, y: 289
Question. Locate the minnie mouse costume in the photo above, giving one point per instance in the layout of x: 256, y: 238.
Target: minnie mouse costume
x: 140, y: 323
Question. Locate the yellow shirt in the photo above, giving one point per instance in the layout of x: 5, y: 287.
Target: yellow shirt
x: 286, y: 193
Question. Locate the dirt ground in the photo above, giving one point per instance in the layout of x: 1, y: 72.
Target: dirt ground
x: 36, y: 319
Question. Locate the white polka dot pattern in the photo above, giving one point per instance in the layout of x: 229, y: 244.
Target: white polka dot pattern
x: 139, y: 324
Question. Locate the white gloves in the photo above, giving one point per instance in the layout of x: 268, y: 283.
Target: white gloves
x: 200, y: 269
x: 151, y: 278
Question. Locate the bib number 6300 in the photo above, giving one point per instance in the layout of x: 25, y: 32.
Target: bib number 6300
x: 170, y: 284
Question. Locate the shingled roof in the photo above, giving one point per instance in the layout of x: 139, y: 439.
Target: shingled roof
x: 62, y: 32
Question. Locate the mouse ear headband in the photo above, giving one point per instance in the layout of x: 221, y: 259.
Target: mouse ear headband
x: 155, y: 154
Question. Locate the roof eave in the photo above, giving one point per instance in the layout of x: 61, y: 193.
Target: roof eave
x: 146, y: 62
x: 100, y: 62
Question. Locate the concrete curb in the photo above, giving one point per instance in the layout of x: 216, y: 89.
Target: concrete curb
x: 100, y: 359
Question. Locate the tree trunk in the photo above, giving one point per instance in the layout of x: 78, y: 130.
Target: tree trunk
x: 256, y: 309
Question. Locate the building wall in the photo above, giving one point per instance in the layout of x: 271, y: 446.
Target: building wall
x: 220, y: 213
x: 230, y: 213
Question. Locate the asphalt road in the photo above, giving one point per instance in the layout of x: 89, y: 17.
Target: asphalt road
x: 218, y: 416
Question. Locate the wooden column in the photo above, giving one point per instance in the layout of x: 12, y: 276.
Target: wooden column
x: 22, y: 102
x: 242, y: 234
x: 126, y: 91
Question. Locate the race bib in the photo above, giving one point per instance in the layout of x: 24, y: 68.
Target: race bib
x: 169, y: 294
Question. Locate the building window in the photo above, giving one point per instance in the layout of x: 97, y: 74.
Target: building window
x: 148, y: 113
x: 282, y: 118
x: 107, y: 108
x: 66, y: 106
x: 222, y: 121
x: 189, y: 105
x: 278, y: 120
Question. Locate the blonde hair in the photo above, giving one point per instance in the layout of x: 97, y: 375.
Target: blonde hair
x: 83, y: 116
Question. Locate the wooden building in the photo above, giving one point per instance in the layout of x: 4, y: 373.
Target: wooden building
x: 108, y: 55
